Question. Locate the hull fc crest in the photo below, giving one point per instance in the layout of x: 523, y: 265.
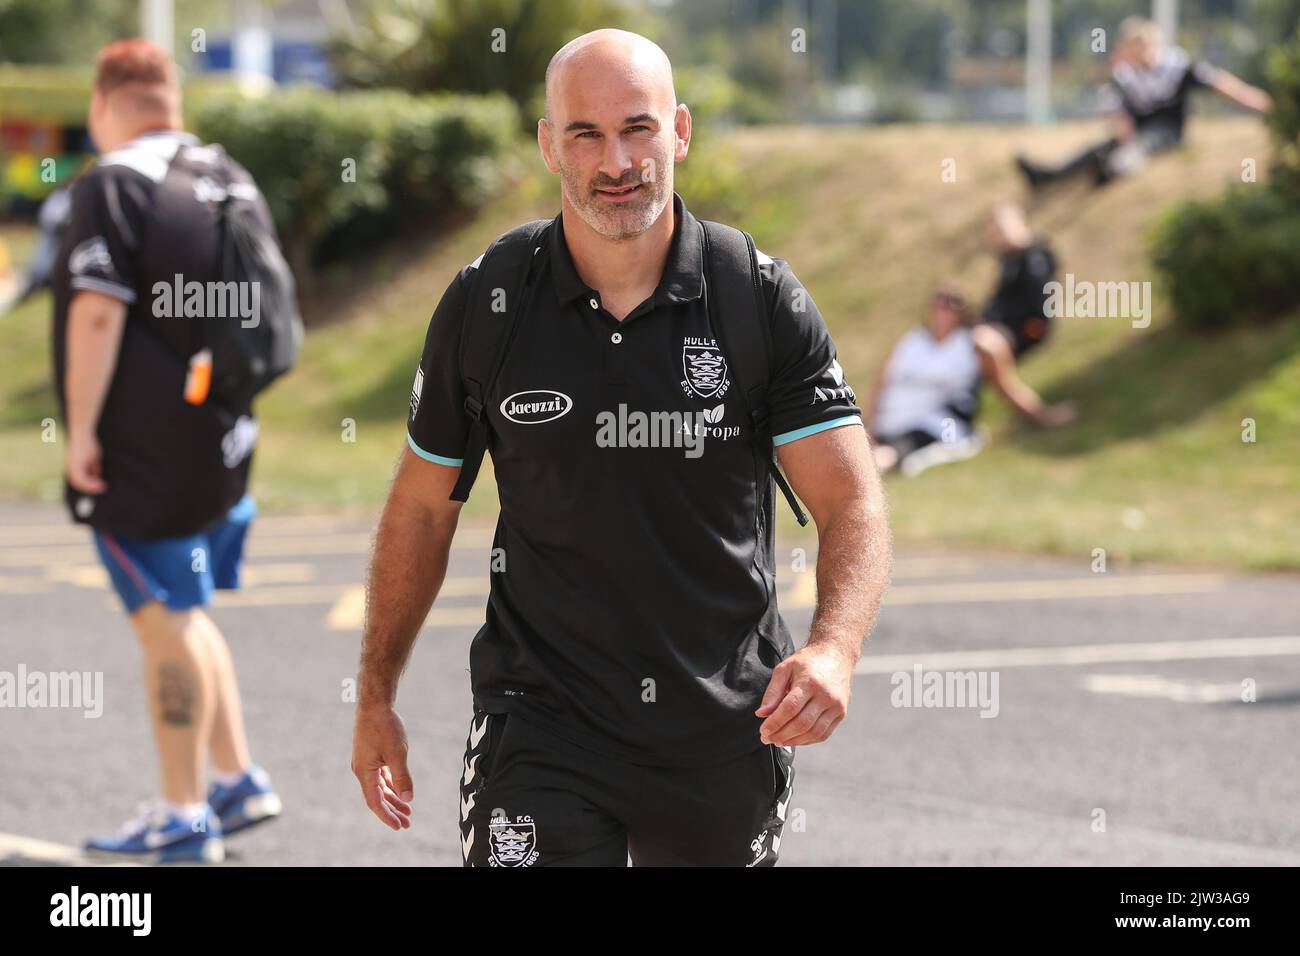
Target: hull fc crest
x: 512, y: 842
x: 705, y: 368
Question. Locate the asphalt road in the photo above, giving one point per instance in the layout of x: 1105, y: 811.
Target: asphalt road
x: 1117, y: 734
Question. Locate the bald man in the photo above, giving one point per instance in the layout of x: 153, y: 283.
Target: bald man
x: 636, y: 692
x: 156, y: 471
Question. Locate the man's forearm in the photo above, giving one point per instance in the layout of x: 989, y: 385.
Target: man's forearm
x: 95, y: 325
x: 406, y: 573
x: 854, y: 557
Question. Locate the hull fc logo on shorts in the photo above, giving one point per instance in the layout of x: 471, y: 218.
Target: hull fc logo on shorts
x: 705, y: 368
x: 513, y: 843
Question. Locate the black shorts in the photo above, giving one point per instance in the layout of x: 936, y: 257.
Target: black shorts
x: 529, y: 798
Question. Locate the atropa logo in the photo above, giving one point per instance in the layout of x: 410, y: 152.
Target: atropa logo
x: 536, y: 406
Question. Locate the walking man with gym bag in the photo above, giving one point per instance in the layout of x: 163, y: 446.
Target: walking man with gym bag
x: 637, y: 376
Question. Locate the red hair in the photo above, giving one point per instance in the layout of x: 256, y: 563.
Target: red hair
x: 134, y: 61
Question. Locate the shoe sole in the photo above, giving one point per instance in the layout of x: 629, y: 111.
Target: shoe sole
x: 210, y: 851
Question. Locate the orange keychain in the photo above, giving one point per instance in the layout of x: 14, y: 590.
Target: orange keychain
x: 199, y: 379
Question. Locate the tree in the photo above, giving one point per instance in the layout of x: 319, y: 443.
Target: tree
x: 476, y: 46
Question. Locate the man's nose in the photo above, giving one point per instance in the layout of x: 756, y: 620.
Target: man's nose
x: 616, y: 160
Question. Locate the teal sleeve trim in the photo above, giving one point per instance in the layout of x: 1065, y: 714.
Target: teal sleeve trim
x: 436, y: 459
x: 798, y: 433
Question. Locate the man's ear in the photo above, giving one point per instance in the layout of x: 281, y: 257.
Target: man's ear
x: 682, y: 125
x: 95, y: 120
x: 546, y: 144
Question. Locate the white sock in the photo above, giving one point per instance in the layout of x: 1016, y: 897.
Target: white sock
x: 187, y: 812
x: 228, y: 779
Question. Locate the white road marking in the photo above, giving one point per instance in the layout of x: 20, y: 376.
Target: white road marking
x: 38, y: 546
x: 804, y: 590
x: 1081, y: 654
x: 1162, y: 688
x: 252, y: 574
x: 20, y: 849
x: 346, y: 614
x: 277, y: 594
x: 65, y: 532
x: 277, y: 572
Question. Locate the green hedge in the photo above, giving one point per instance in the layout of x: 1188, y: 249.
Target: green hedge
x: 1231, y: 260
x: 414, y: 156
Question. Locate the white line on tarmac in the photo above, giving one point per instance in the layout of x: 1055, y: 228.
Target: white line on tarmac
x: 45, y: 545
x: 1154, y: 686
x: 347, y: 611
x: 803, y: 591
x: 15, y: 849
x: 1070, y: 656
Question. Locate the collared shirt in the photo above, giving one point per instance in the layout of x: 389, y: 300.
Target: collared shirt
x: 633, y: 596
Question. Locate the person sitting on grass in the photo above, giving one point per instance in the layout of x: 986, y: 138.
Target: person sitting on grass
x: 922, y: 408
x: 1146, y: 104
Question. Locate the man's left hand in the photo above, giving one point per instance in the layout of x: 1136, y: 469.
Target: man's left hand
x: 807, y: 697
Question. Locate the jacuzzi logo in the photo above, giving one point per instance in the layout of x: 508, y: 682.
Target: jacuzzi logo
x: 536, y: 406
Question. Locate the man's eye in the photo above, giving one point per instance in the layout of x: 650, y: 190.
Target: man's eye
x: 587, y: 133
x: 632, y: 128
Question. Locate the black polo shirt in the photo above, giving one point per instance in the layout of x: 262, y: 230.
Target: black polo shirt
x: 635, y: 611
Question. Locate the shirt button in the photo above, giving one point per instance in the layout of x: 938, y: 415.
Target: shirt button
x: 593, y: 303
x: 616, y: 337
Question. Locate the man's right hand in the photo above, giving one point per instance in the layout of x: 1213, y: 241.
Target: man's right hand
x: 379, y: 762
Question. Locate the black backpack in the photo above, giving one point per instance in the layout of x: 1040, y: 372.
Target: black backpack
x: 737, y: 311
x: 174, y: 468
x: 245, y: 360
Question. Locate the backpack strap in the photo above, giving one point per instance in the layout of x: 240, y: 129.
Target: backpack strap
x: 486, y: 333
x: 739, y: 315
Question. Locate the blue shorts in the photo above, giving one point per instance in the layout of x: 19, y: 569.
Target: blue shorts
x: 179, y: 572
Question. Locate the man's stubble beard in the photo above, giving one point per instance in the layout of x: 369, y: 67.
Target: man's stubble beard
x: 613, y: 221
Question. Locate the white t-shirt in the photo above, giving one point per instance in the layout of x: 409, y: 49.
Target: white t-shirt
x: 922, y: 377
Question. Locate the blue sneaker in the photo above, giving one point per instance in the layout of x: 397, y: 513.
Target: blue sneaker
x: 159, y: 837
x: 246, y: 803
